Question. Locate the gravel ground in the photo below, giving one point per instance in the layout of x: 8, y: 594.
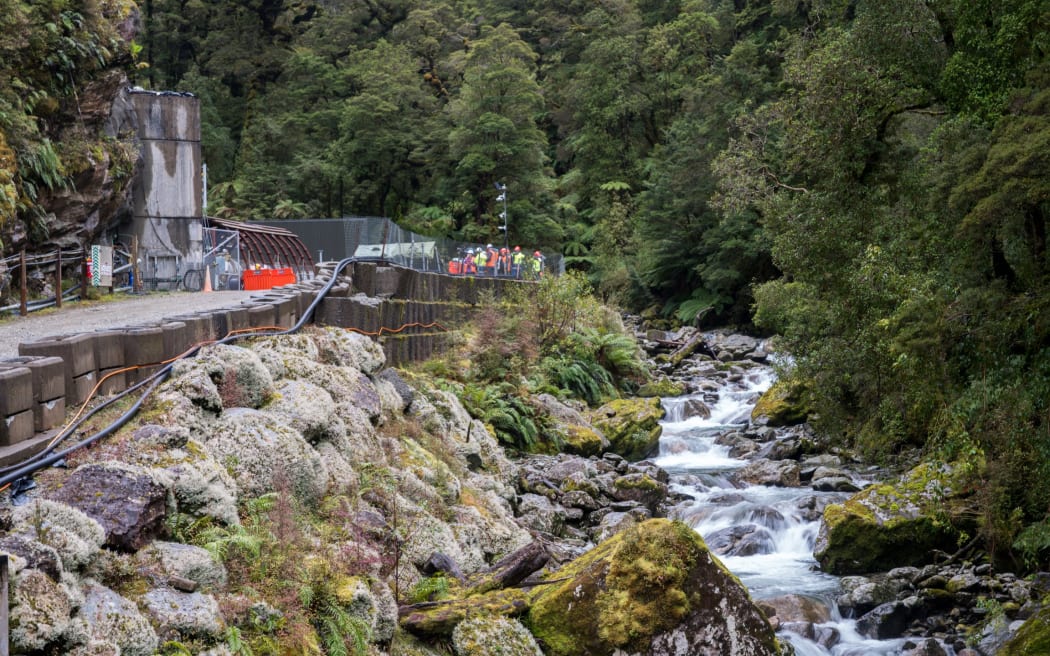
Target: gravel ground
x: 81, y: 317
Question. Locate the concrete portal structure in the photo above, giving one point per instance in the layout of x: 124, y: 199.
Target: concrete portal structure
x: 167, y: 212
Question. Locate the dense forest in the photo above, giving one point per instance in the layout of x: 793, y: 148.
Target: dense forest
x: 868, y: 180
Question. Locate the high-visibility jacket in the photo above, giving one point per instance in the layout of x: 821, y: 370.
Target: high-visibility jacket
x: 518, y: 258
x: 491, y: 257
x: 480, y: 258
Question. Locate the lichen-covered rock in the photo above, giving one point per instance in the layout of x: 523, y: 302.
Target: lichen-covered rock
x: 652, y: 589
x: 887, y: 526
x: 72, y: 534
x: 349, y: 388
x: 281, y: 353
x: 201, y: 486
x: 783, y: 404
x: 185, y: 561
x: 306, y: 408
x: 114, y: 619
x: 441, y: 619
x: 349, y: 349
x: 632, y: 426
x: 33, y: 554
x: 126, y: 501
x: 493, y: 636
x: 181, y: 615
x: 238, y: 376
x: 40, y: 612
x: 259, y: 449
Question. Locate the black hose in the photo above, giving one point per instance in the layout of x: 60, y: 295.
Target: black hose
x: 47, y: 457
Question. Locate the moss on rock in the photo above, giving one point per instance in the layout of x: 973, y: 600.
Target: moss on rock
x: 664, y: 387
x: 1032, y: 638
x: 783, y: 404
x: 493, y: 636
x: 632, y: 426
x: 887, y: 526
x: 652, y: 586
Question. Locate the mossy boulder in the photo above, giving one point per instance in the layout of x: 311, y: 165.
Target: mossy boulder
x: 1032, y: 638
x: 663, y: 387
x: 783, y: 404
x: 632, y: 426
x: 887, y: 526
x: 440, y: 618
x: 652, y: 589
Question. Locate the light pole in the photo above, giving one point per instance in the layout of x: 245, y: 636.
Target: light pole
x: 502, y: 189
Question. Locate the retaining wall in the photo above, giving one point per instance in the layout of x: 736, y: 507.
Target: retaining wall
x: 411, y: 313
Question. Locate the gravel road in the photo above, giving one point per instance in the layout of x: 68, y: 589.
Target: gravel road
x: 80, y: 318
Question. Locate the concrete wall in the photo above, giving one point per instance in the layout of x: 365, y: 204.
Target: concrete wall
x: 411, y: 313
x: 167, y: 200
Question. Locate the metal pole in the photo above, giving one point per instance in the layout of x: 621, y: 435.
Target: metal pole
x: 5, y: 649
x: 137, y: 284
x: 83, y: 273
x: 24, y: 298
x: 58, y: 280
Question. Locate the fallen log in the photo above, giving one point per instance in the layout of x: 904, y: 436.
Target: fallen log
x: 511, y: 569
x: 439, y: 618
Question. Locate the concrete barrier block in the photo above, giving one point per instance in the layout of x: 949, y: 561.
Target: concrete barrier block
x: 109, y: 349
x: 387, y: 281
x: 143, y: 345
x: 176, y: 338
x: 218, y: 322
x: 112, y: 381
x: 49, y: 414
x: 198, y: 327
x: 16, y: 390
x: 16, y: 428
x: 82, y: 388
x: 262, y: 316
x: 76, y: 351
x: 49, y: 379
x: 237, y: 319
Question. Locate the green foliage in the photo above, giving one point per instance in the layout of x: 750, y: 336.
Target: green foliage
x: 510, y: 415
x: 432, y: 588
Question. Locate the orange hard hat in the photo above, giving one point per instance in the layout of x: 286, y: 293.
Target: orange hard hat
x: 537, y: 253
x: 517, y: 248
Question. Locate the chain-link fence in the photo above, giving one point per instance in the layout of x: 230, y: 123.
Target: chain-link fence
x: 382, y: 239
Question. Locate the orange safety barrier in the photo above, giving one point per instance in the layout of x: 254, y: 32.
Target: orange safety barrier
x: 255, y: 279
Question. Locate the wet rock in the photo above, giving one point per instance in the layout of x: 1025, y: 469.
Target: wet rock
x: 614, y: 522
x: 928, y: 647
x: 652, y: 589
x: 661, y: 387
x: 780, y: 473
x: 796, y: 608
x: 694, y: 407
x: 1030, y: 637
x: 787, y: 448
x: 126, y: 501
x: 835, y: 484
x: 862, y: 595
x: 740, y: 540
x: 885, y: 621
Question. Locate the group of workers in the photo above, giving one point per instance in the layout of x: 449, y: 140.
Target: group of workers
x: 490, y: 261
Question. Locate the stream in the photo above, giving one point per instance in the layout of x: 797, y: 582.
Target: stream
x: 775, y: 527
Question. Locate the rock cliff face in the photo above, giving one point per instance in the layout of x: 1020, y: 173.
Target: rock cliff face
x: 291, y: 493
x: 99, y: 168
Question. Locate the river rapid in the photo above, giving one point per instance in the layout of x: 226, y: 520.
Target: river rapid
x: 763, y: 534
